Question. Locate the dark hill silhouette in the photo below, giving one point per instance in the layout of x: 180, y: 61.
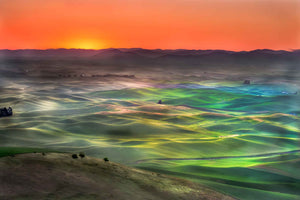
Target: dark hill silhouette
x: 177, y: 57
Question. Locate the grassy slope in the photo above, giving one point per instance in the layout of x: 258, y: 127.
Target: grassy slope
x: 58, y: 176
x: 11, y: 151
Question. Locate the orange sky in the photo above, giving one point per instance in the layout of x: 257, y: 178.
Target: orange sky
x: 166, y: 24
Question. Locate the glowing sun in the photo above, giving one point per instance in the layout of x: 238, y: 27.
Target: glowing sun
x: 86, y: 44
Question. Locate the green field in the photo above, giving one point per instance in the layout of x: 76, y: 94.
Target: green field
x: 242, y: 140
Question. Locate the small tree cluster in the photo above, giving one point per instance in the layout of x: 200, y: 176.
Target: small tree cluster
x: 81, y: 155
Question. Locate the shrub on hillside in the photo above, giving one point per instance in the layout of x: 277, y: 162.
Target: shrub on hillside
x: 82, y: 155
x: 105, y: 159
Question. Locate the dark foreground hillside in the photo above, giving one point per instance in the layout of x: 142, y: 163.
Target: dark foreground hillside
x: 59, y: 176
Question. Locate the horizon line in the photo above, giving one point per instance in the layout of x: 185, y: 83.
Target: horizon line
x: 289, y: 50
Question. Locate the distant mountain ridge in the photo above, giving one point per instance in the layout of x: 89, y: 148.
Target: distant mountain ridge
x: 133, y: 56
x: 137, y: 51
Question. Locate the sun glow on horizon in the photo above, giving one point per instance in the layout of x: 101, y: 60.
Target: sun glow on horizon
x: 85, y: 44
